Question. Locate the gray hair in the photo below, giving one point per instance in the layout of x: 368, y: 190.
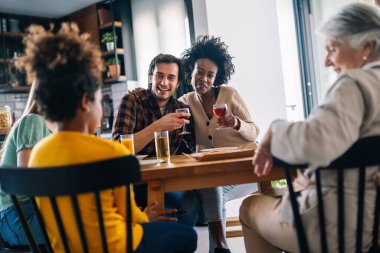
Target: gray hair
x: 355, y: 24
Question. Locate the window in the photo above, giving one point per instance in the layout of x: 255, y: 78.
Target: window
x: 289, y: 60
x: 158, y: 27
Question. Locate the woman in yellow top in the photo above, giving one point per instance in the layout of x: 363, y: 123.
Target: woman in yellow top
x: 67, y: 68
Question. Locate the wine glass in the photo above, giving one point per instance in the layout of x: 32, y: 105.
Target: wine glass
x: 186, y: 110
x: 220, y: 111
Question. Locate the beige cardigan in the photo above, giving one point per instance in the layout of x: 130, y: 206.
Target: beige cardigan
x: 206, y: 135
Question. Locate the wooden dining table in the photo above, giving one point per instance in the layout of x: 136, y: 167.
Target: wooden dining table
x: 185, y: 173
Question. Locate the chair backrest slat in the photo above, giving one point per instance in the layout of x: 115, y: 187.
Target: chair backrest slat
x: 297, y: 218
x: 321, y: 213
x: 31, y: 239
x: 101, y: 222
x: 78, y: 220
x: 340, y: 213
x: 55, y: 182
x: 41, y: 224
x: 58, y: 219
x: 360, y: 210
x: 129, y: 221
x: 376, y: 223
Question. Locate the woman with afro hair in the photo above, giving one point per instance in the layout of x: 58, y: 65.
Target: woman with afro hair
x: 208, y: 68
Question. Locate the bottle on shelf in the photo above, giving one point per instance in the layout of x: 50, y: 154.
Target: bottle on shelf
x: 4, y: 24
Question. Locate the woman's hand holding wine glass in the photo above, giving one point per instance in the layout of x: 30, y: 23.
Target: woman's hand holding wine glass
x: 225, y: 118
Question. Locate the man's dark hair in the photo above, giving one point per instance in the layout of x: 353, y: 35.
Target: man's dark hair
x: 212, y: 48
x: 165, y: 58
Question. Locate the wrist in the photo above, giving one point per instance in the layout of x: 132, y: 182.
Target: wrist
x: 157, y: 126
x: 237, y: 124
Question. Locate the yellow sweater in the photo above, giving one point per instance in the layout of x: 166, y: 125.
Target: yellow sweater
x: 65, y: 148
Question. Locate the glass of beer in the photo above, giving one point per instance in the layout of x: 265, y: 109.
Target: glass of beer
x: 162, y: 145
x: 128, y: 141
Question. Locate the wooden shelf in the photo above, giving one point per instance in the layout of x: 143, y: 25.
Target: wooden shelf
x: 5, y: 131
x: 112, y: 52
x: 6, y: 60
x: 115, y: 80
x: 17, y: 89
x: 109, y: 24
x: 13, y: 34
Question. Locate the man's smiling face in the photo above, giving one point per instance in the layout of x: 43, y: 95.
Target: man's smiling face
x: 164, y: 81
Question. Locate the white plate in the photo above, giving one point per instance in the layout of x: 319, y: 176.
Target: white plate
x: 147, y: 162
x: 218, y: 149
x: 141, y: 157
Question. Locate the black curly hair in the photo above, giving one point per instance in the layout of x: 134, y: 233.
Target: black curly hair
x: 65, y: 66
x: 212, y: 48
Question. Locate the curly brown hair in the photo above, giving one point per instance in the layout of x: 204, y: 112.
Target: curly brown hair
x: 65, y: 66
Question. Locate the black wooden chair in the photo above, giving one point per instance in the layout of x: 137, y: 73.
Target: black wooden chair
x: 364, y: 153
x: 71, y: 181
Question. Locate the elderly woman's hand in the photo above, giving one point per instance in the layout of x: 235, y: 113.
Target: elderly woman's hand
x: 262, y: 160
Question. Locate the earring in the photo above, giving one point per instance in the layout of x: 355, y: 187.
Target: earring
x: 364, y: 58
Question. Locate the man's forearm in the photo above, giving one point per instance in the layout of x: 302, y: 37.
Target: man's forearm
x: 143, y: 137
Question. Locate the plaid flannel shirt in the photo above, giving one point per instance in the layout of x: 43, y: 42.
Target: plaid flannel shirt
x: 136, y: 113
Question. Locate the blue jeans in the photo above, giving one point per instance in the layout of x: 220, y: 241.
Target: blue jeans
x: 11, y: 228
x: 167, y: 237
x: 186, y: 202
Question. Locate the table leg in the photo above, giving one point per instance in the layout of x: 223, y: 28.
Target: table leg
x: 264, y: 186
x: 156, y: 193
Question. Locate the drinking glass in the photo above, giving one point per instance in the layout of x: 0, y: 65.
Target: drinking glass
x: 162, y: 145
x: 128, y: 141
x: 186, y: 110
x: 220, y: 111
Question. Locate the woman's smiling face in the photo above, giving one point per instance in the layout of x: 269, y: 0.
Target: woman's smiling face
x: 341, y: 57
x: 203, y: 76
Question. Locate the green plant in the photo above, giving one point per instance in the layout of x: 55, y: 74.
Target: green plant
x: 279, y: 183
x: 112, y: 61
x: 108, y: 37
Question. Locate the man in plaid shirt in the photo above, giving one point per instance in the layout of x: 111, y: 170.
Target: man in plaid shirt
x: 144, y: 112
x: 154, y: 110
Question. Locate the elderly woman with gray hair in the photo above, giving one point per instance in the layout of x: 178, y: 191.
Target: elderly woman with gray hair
x: 350, y: 111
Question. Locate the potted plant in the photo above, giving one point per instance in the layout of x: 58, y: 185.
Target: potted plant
x: 108, y: 40
x: 111, y: 66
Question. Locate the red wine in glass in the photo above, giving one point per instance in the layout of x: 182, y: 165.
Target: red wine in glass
x: 220, y: 111
x: 186, y: 110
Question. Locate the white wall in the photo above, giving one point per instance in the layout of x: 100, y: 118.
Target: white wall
x: 250, y: 29
x: 158, y: 27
